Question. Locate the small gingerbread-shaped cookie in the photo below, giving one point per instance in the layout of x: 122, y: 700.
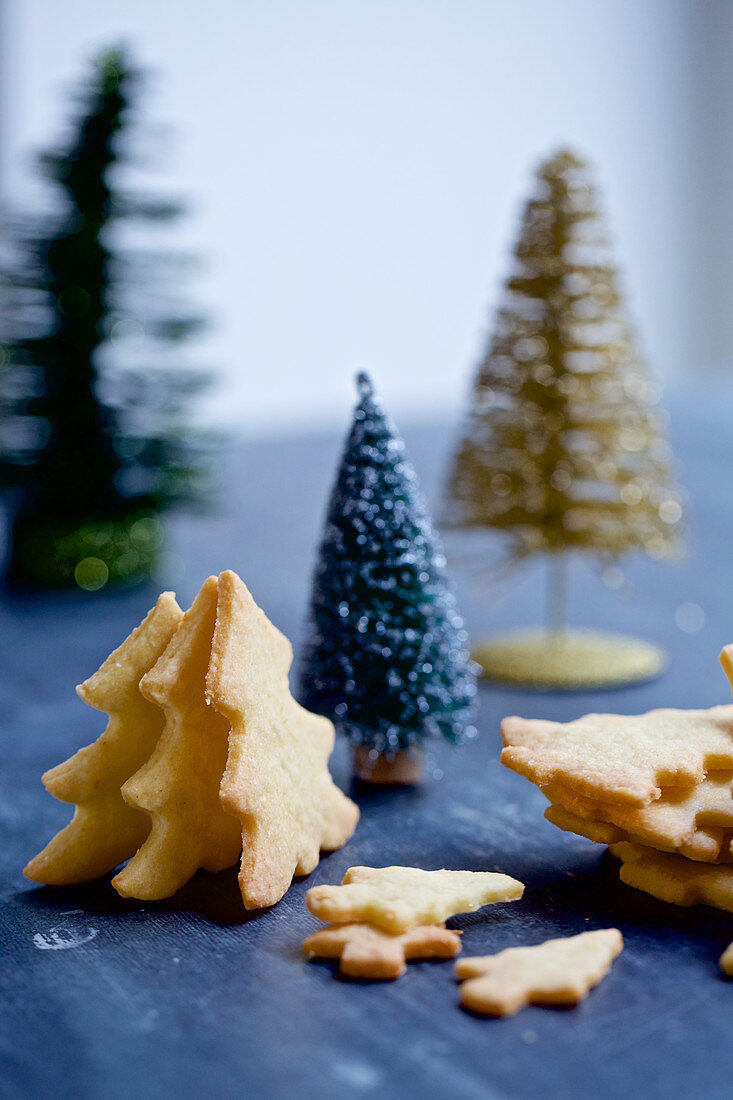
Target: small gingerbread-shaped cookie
x: 369, y: 952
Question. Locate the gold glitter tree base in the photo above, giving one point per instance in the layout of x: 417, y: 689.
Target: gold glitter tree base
x: 569, y: 660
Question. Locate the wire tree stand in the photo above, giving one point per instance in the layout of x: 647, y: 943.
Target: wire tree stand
x: 560, y: 658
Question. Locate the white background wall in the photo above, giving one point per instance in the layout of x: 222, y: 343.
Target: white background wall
x: 357, y: 168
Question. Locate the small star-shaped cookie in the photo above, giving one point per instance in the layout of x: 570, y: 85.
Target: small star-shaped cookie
x: 560, y: 971
x: 398, y: 898
x: 369, y: 952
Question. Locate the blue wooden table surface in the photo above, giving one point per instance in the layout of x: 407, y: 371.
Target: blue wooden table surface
x: 107, y: 998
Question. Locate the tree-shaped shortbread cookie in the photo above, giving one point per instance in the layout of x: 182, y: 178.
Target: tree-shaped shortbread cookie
x: 276, y: 783
x: 178, y: 788
x: 673, y: 878
x: 621, y: 758
x: 697, y: 821
x: 703, y: 845
x: 398, y: 898
x: 368, y: 952
x: 559, y: 971
x: 105, y: 829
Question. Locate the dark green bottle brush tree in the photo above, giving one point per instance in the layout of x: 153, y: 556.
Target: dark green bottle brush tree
x: 386, y: 656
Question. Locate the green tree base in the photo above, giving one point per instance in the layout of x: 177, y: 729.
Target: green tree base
x: 568, y: 660
x: 90, y: 555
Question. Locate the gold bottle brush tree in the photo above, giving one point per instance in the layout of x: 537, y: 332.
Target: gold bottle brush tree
x: 563, y: 448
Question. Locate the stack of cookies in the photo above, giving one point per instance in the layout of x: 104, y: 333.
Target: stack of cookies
x: 657, y: 788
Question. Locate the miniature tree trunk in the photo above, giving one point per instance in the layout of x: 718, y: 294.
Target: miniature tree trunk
x: 402, y: 769
x: 557, y: 594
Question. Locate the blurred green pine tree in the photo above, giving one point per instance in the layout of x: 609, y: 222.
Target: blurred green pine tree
x: 93, y: 447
